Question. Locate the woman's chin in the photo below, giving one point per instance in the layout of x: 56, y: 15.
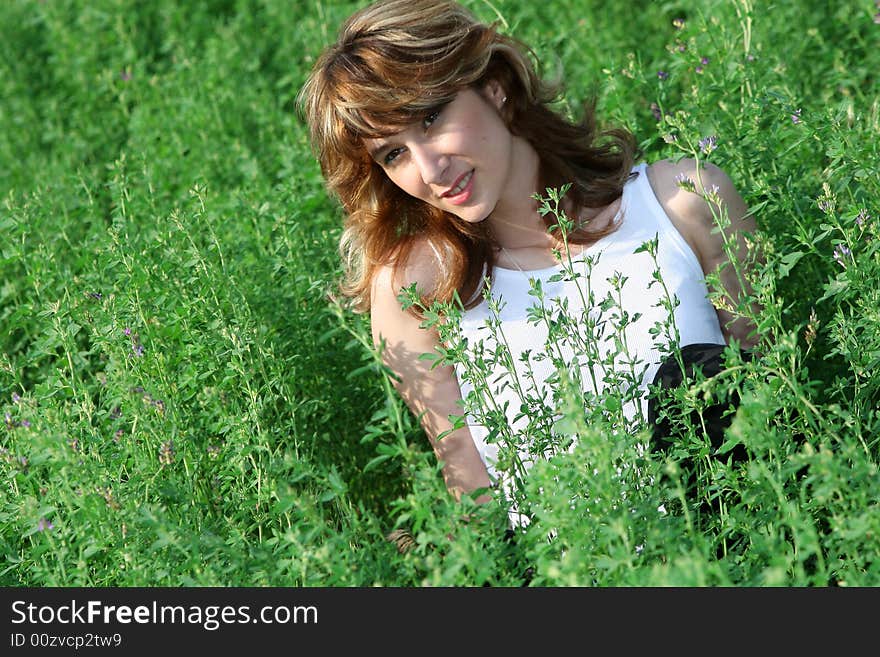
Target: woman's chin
x: 474, y: 215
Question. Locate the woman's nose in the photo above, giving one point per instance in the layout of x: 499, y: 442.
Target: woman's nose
x: 431, y: 164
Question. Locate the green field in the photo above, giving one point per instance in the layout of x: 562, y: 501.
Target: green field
x: 186, y: 403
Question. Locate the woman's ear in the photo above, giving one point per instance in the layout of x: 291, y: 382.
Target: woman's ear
x: 494, y: 93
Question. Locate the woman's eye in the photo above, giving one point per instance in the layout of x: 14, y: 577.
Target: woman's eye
x: 391, y: 155
x: 432, y: 116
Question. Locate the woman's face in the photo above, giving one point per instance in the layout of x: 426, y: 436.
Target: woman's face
x: 456, y: 158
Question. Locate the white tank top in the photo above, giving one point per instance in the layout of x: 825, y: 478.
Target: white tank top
x: 642, y: 219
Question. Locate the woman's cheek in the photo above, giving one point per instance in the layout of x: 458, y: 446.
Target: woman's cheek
x: 409, y: 181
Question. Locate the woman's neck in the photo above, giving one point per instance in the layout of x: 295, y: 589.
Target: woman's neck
x: 520, y: 233
x: 515, y: 221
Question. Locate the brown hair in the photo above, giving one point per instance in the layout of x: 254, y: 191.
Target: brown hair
x: 393, y: 61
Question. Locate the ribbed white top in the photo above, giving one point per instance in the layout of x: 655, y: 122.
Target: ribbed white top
x: 641, y: 218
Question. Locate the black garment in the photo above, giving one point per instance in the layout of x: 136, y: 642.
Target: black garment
x: 669, y: 422
x: 705, y: 358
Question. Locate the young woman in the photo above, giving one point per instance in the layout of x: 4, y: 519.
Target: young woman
x: 435, y: 133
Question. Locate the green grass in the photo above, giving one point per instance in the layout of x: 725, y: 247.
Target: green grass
x: 185, y: 404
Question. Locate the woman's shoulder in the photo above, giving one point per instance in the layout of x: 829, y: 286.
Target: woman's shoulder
x: 692, y: 194
x: 668, y: 177
x: 391, y: 316
x: 689, y: 190
x: 421, y: 266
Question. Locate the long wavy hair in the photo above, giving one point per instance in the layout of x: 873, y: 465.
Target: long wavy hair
x: 393, y: 61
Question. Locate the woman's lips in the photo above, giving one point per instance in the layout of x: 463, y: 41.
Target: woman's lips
x: 460, y: 192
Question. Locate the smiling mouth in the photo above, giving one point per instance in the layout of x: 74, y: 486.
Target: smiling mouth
x: 460, y: 187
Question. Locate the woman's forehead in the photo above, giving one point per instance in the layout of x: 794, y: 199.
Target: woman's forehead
x: 383, y: 111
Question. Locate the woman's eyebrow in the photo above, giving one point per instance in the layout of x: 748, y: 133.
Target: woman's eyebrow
x: 376, y: 150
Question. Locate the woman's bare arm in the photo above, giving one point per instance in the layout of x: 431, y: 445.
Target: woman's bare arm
x: 430, y: 392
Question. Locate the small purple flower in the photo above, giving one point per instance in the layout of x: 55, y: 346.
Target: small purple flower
x: 685, y: 183
x: 681, y: 47
x: 750, y: 57
x: 127, y: 331
x: 699, y: 69
x: 95, y: 295
x: 841, y: 251
x: 26, y: 424
x: 662, y: 75
x: 862, y: 216
x: 877, y: 18
x: 704, y: 61
x: 9, y: 423
x: 137, y: 349
x: 125, y: 76
x: 15, y: 397
x: 796, y: 117
x: 825, y: 205
x: 678, y: 23
x: 44, y: 525
x: 708, y: 144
